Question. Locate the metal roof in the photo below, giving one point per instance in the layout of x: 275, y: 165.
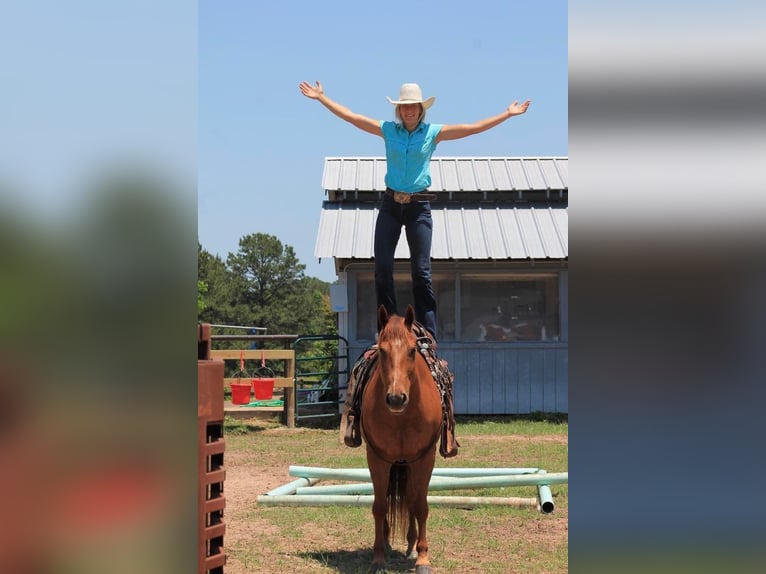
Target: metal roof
x: 453, y: 173
x: 494, y: 208
x: 459, y: 232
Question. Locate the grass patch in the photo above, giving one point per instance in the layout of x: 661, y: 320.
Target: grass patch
x: 232, y: 426
x: 531, y: 425
x: 334, y: 539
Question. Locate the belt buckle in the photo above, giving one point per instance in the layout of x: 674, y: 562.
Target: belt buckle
x: 402, y: 198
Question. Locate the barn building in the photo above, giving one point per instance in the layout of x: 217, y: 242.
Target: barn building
x: 499, y: 268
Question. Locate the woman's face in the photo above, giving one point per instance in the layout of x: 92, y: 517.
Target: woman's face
x: 410, y: 115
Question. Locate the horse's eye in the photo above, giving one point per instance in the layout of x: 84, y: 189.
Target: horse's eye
x: 413, y: 350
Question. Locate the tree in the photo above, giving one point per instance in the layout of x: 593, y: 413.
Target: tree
x: 201, y: 290
x: 217, y: 297
x: 264, y: 285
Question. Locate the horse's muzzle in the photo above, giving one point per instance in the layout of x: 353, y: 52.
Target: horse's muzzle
x: 397, y: 403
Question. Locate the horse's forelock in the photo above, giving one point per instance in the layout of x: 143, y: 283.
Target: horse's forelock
x: 396, y: 331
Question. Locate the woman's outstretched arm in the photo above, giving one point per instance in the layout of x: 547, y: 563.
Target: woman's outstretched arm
x: 457, y: 131
x: 362, y: 122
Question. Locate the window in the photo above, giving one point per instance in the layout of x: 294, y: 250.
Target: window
x: 493, y: 307
x: 367, y: 313
x: 509, y: 307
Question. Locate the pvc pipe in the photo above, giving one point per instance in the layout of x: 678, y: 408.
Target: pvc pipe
x: 448, y: 483
x: 545, y: 496
x: 508, y: 480
x: 366, y: 500
x: 291, y: 487
x: 354, y: 488
x: 330, y: 473
x: 458, y: 472
x: 364, y: 474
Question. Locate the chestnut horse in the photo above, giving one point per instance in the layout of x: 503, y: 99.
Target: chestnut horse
x: 400, y: 423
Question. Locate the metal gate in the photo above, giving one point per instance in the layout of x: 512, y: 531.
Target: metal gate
x: 321, y: 365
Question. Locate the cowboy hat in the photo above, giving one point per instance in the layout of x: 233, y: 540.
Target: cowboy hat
x: 411, y: 94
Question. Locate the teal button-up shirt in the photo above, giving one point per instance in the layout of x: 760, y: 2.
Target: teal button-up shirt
x: 408, y: 155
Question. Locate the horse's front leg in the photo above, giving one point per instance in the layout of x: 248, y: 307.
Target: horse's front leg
x: 418, y: 499
x: 379, y: 473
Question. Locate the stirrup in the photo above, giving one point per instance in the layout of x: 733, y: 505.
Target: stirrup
x: 353, y: 437
x: 448, y: 448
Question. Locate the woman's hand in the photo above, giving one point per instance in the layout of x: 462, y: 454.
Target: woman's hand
x: 516, y: 108
x: 310, y: 91
x: 362, y: 122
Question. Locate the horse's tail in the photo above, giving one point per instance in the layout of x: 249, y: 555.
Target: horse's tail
x: 396, y: 498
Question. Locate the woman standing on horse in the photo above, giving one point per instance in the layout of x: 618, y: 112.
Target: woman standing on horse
x: 410, y: 143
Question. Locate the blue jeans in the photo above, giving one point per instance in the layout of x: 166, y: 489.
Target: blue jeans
x: 418, y: 227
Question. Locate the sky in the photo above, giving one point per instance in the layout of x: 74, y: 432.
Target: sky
x: 95, y: 86
x: 262, y: 144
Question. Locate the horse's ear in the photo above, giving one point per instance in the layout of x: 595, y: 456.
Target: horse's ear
x: 382, y: 316
x: 409, y: 316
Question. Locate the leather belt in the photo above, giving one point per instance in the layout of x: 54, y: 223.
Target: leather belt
x: 404, y: 198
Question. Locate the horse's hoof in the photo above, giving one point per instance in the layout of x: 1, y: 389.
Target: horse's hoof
x: 412, y: 555
x: 423, y: 570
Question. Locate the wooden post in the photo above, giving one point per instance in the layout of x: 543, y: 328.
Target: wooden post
x: 289, y: 394
x: 210, y: 468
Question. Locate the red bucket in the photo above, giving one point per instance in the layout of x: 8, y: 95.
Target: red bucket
x: 264, y: 385
x: 264, y: 389
x: 240, y: 393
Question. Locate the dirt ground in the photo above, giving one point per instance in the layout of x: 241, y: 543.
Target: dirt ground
x: 246, y: 480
